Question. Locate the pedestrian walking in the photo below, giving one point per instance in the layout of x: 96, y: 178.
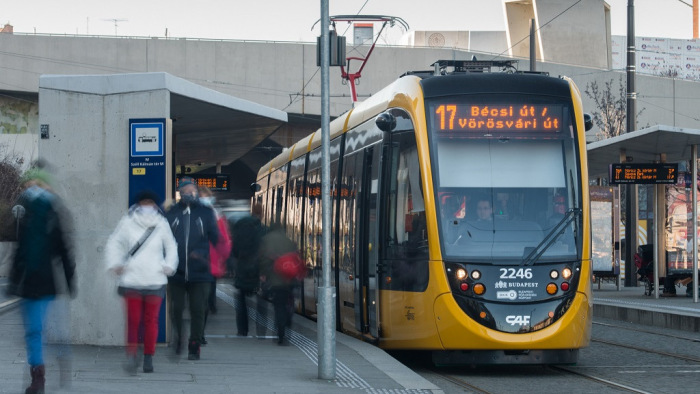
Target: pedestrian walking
x: 218, y: 254
x: 42, y: 240
x: 281, y: 268
x: 247, y: 233
x: 142, y: 252
x: 194, y: 227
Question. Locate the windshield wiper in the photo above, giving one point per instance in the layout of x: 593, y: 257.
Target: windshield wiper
x: 552, y: 236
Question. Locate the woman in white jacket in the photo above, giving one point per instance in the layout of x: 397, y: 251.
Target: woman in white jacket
x: 142, y: 252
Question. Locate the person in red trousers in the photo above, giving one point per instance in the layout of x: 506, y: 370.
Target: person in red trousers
x: 142, y: 252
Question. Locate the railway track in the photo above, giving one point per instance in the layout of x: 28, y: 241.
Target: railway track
x: 606, y: 382
x: 475, y: 383
x: 682, y: 338
x: 647, y: 350
x: 646, y: 331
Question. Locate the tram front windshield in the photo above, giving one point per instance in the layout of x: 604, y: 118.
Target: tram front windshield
x: 507, y: 179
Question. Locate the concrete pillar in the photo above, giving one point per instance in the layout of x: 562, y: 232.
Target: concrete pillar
x: 87, y: 146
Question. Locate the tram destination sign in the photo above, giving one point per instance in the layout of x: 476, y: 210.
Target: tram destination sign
x: 461, y: 117
x: 625, y: 173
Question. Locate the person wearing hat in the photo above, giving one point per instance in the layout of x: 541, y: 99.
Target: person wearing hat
x: 142, y: 252
x: 42, y: 239
x: 194, y: 226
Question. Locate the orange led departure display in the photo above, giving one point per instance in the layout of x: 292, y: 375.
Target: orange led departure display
x: 215, y: 182
x: 652, y: 173
x: 510, y: 118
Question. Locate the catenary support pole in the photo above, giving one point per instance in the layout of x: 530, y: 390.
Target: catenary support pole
x: 657, y: 243
x: 533, y: 48
x: 326, y: 293
x: 694, y: 191
x: 631, y: 199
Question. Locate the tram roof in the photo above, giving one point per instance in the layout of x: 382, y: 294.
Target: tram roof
x: 406, y: 86
x: 643, y: 146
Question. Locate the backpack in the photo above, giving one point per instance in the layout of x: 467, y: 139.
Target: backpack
x: 290, y: 266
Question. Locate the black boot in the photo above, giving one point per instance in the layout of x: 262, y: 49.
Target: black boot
x: 193, y: 350
x: 147, y: 363
x: 37, y: 386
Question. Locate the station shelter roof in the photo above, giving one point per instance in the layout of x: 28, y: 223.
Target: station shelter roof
x: 642, y: 146
x: 210, y: 127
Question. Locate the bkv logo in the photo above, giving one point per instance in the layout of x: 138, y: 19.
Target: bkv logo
x: 507, y: 295
x: 517, y: 319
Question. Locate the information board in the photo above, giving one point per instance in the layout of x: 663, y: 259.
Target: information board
x: 148, y: 170
x: 652, y: 173
x: 147, y: 164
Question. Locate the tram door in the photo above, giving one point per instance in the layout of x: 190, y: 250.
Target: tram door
x: 369, y: 255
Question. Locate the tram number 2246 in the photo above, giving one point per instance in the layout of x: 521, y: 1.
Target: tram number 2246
x: 512, y: 273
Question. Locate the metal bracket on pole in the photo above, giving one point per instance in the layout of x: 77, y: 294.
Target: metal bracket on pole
x: 353, y: 78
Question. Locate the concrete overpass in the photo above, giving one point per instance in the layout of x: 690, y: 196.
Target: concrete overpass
x: 280, y: 75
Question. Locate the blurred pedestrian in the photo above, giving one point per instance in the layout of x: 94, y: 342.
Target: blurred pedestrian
x: 218, y: 254
x: 194, y: 227
x: 142, y: 252
x: 247, y: 233
x: 42, y: 240
x: 282, y: 268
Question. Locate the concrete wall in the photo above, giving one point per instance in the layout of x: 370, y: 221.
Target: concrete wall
x: 575, y: 35
x: 438, y: 39
x: 21, y: 148
x: 518, y: 16
x: 89, y: 138
x: 278, y: 74
x: 488, y: 42
x: 579, y: 35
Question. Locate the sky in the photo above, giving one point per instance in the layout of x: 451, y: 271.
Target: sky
x: 292, y: 20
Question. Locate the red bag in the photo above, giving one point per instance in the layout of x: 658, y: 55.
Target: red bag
x: 290, y: 266
x: 219, y: 254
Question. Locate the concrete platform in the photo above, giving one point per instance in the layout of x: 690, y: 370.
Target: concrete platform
x: 229, y: 364
x: 232, y: 364
x: 631, y: 305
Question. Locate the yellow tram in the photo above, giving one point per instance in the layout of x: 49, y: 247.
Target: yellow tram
x: 460, y: 215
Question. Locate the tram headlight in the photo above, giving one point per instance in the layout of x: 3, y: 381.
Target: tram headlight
x: 552, y: 289
x: 566, y: 273
x: 461, y: 273
x: 476, y: 275
x: 479, y: 289
x: 554, y: 274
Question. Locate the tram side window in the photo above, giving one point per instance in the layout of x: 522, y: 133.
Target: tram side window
x: 313, y: 220
x: 407, y: 248
x: 279, y: 204
x: 294, y: 208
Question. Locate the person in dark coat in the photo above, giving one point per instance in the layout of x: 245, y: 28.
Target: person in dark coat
x: 42, y: 241
x: 275, y: 244
x: 194, y: 227
x: 247, y: 233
